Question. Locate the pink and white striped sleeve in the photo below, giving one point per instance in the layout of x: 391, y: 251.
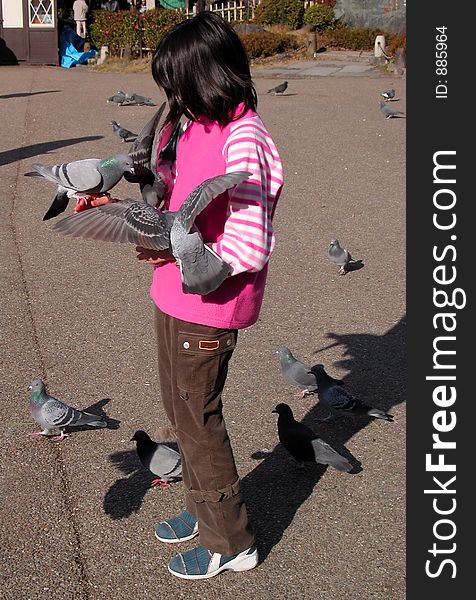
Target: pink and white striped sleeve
x: 248, y: 238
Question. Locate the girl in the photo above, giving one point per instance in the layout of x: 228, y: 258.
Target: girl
x: 203, y: 69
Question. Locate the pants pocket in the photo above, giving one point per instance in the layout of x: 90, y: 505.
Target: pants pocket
x: 203, y: 360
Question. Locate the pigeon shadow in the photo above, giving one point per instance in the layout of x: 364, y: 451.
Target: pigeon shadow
x: 11, y: 156
x: 125, y: 495
x: 23, y: 94
x: 354, y: 265
x: 275, y: 489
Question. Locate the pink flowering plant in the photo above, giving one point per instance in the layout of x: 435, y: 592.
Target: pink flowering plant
x: 132, y: 29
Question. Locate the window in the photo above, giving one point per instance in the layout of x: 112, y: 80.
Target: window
x: 41, y: 13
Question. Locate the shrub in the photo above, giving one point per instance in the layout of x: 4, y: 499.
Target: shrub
x: 394, y: 41
x: 269, y: 12
x: 350, y: 38
x: 157, y: 22
x: 260, y: 45
x: 319, y: 16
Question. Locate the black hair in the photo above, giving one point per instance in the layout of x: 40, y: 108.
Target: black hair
x: 202, y: 66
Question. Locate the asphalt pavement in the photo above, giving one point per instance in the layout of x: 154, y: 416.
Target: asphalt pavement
x: 77, y: 517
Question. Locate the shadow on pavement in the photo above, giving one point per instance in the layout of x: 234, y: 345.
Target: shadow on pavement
x: 23, y: 94
x: 275, y: 489
x: 11, y: 156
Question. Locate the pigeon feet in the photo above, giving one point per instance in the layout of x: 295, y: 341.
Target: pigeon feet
x: 37, y: 434
x: 159, y: 482
x: 342, y: 271
x: 60, y: 438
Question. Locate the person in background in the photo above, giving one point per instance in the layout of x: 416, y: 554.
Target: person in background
x: 111, y: 5
x: 80, y: 10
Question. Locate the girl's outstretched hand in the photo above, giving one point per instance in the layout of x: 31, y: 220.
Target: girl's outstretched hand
x: 85, y: 201
x: 153, y: 257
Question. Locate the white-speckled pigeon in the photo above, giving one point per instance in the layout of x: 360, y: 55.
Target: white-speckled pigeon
x: 303, y: 444
x: 89, y: 176
x: 140, y: 224
x: 124, y: 134
x: 335, y: 397
x: 163, y: 462
x: 50, y: 413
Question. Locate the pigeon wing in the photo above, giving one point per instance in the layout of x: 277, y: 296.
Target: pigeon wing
x: 126, y: 221
x: 165, y: 462
x: 326, y: 455
x: 80, y: 175
x: 204, y: 193
x: 142, y: 148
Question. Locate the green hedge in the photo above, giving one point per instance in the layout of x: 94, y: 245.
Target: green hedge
x: 319, y: 16
x: 269, y: 12
x: 121, y: 29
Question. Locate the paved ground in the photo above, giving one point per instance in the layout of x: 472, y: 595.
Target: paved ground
x: 77, y: 518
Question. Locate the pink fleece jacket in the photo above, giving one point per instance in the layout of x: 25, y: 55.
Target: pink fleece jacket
x: 237, y: 224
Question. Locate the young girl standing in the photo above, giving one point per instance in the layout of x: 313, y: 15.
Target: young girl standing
x: 203, y: 69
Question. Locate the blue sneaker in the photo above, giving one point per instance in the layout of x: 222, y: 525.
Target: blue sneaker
x: 178, y: 529
x: 200, y: 563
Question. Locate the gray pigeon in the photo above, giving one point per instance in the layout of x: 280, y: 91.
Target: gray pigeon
x: 89, y: 176
x: 388, y: 111
x: 119, y: 97
x: 51, y: 413
x: 124, y: 134
x: 303, y: 444
x: 335, y: 397
x: 339, y: 256
x: 140, y: 224
x: 136, y: 100
x: 279, y: 89
x: 162, y: 461
x: 388, y: 95
x: 296, y: 372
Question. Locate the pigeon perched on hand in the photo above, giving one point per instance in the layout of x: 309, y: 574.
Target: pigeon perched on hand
x: 50, y: 413
x: 388, y: 111
x: 279, y: 89
x: 122, y: 132
x: 339, y: 256
x: 388, y: 95
x: 162, y: 461
x: 296, y: 372
x: 303, y: 444
x: 335, y: 397
x: 89, y: 176
x: 202, y: 270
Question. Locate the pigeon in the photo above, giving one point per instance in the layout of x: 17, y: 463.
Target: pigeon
x: 303, y: 444
x: 339, y: 256
x: 388, y: 95
x: 51, y: 413
x: 119, y: 97
x: 89, y: 176
x: 202, y: 270
x: 162, y: 461
x: 136, y: 100
x: 333, y: 396
x: 279, y: 89
x: 388, y: 111
x: 124, y: 134
x: 296, y: 372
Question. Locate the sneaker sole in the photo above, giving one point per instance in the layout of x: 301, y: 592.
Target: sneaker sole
x: 177, y: 540
x: 245, y: 563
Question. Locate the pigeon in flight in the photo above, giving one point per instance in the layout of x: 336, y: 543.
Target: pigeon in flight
x: 388, y: 111
x: 89, y: 176
x: 202, y: 270
x: 388, y: 95
x: 335, y: 397
x: 162, y: 461
x: 296, y: 372
x: 121, y: 132
x: 303, y: 444
x: 279, y: 89
x: 52, y: 414
x: 339, y: 256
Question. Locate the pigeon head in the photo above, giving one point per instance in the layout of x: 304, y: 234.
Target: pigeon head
x: 319, y: 372
x: 122, y: 162
x: 140, y: 436
x: 115, y: 123
x: 284, y: 410
x: 334, y: 244
x: 37, y: 386
x: 284, y: 353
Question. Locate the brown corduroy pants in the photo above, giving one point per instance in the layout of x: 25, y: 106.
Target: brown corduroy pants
x: 193, y: 365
